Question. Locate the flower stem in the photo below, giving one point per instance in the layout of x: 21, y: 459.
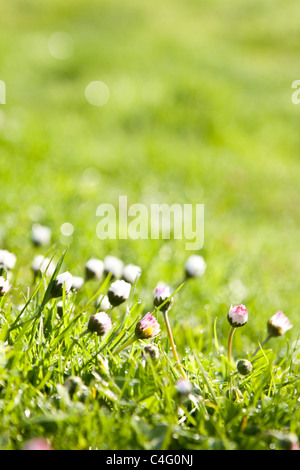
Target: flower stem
x: 85, y: 332
x: 178, y: 363
x: 261, y: 345
x: 230, y: 343
x: 229, y: 358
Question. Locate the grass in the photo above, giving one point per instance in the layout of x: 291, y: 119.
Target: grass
x: 199, y: 112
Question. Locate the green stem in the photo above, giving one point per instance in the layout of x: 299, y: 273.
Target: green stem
x: 261, y: 345
x: 230, y: 343
x: 229, y: 357
x: 178, y: 363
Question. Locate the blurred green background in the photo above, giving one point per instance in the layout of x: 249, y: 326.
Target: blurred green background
x: 199, y: 111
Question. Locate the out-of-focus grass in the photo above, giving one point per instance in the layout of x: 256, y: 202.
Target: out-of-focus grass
x: 200, y: 111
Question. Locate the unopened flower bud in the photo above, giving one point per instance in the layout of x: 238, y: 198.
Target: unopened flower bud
x: 37, y: 443
x: 77, y: 283
x: 161, y: 294
x: 147, y: 328
x: 118, y: 292
x: 62, y: 281
x: 41, y: 235
x: 4, y: 286
x: 7, y: 259
x: 278, y: 324
x: 113, y: 266
x: 102, y: 303
x: 183, y: 387
x: 94, y: 268
x: 131, y: 273
x: 288, y: 441
x: 244, y: 367
x: 195, y: 266
x: 99, y: 323
x: 151, y: 350
x: 237, y: 316
x: 42, y: 265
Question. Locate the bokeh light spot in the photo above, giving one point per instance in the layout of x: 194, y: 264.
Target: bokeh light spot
x: 67, y: 229
x: 61, y: 45
x: 97, y: 93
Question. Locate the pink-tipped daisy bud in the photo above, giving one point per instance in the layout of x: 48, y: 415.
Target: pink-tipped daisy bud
x: 7, y: 259
x: 43, y: 265
x: 99, y: 323
x: 113, y: 266
x: 279, y: 324
x: 161, y: 294
x: 288, y: 441
x: 183, y: 387
x: 118, y: 292
x: 94, y: 268
x: 237, y: 316
x: 37, y: 443
x: 41, y: 235
x: 147, y: 328
x: 195, y: 266
x: 62, y: 281
x: 131, y: 273
x: 4, y: 286
x: 244, y: 367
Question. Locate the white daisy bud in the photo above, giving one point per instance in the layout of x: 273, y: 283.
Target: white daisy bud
x: 184, y: 387
x: 77, y: 283
x: 118, y: 292
x: 4, y: 286
x: 94, y: 268
x: 151, y: 350
x: 195, y: 266
x: 113, y: 266
x: 62, y: 280
x: 131, y: 273
x: 42, y: 265
x: 41, y: 235
x: 7, y: 259
x: 279, y: 324
x: 103, y: 303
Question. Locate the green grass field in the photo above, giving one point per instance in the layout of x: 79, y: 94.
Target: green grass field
x: 199, y: 112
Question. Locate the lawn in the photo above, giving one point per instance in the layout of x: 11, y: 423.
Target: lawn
x: 196, y: 109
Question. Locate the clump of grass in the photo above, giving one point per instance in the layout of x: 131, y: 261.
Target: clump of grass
x: 79, y: 386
